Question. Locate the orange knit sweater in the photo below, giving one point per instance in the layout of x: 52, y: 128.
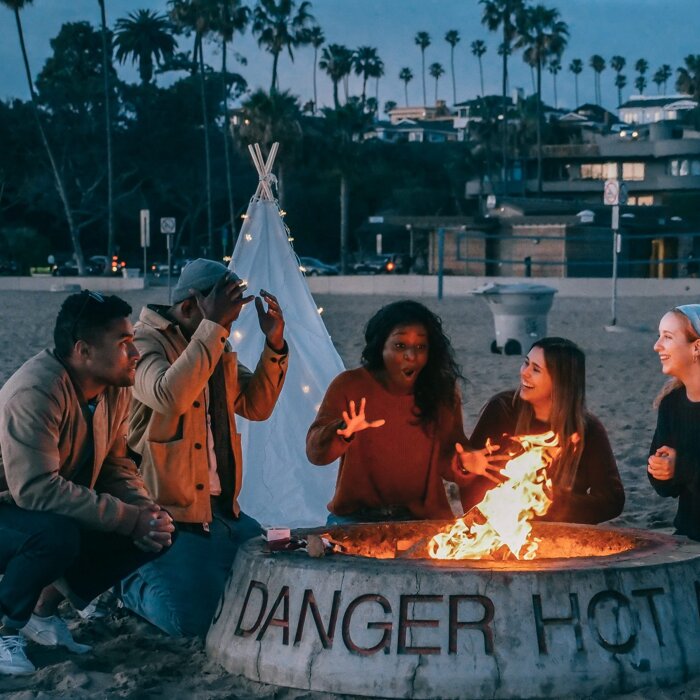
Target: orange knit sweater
x: 398, y: 464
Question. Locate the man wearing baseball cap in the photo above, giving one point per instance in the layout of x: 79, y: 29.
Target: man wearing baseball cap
x: 189, y: 386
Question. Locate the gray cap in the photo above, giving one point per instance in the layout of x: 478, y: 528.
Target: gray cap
x: 692, y: 312
x: 200, y: 274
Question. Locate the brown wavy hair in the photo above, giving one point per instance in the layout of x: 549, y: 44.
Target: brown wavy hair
x: 566, y: 364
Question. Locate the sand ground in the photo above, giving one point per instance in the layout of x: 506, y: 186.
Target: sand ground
x: 130, y: 659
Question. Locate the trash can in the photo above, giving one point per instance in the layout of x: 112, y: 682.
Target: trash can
x: 519, y: 314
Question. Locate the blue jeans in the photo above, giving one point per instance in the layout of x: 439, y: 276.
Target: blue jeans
x: 179, y: 593
x: 39, y: 547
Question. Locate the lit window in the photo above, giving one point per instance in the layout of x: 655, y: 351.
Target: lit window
x: 632, y: 171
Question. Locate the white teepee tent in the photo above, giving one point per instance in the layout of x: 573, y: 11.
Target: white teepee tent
x: 280, y: 486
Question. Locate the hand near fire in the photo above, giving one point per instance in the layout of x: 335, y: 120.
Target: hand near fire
x: 662, y: 464
x: 482, y: 462
x: 355, y: 421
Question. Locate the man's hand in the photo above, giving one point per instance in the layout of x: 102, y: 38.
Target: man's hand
x: 662, y: 464
x: 271, y: 321
x: 480, y: 462
x: 355, y: 421
x: 153, y: 529
x: 224, y: 303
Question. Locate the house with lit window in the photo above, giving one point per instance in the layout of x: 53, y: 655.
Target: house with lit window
x: 659, y: 162
x: 648, y: 109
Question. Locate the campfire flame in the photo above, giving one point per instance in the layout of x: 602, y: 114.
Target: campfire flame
x: 502, y: 519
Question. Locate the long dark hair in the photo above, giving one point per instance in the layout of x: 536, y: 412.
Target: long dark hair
x: 566, y: 364
x: 436, y: 385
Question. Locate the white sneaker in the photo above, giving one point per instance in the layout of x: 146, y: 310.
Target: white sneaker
x: 13, y: 660
x: 52, y: 631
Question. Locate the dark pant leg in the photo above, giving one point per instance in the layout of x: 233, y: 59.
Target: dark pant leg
x: 104, y: 559
x: 35, y: 549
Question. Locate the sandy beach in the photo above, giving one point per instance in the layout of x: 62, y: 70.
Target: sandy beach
x: 131, y: 659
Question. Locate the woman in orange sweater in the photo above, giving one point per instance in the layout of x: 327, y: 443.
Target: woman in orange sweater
x: 396, y: 423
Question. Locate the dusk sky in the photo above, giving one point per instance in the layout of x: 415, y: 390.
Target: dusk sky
x: 661, y: 31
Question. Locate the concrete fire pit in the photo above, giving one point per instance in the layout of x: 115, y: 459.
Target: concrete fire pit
x: 624, y: 615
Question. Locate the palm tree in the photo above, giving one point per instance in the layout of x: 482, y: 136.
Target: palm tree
x: 15, y: 6
x: 544, y: 35
x: 334, y: 61
x: 376, y: 72
x: 146, y: 37
x: 479, y: 49
x: 617, y: 63
x: 502, y: 14
x: 107, y: 63
x: 554, y: 67
x: 200, y: 17
x: 422, y: 40
x: 316, y: 39
x: 597, y: 63
x: 620, y: 84
x: 406, y: 76
x: 662, y: 75
x: 688, y: 76
x: 233, y: 18
x: 365, y: 61
x: 452, y: 38
x: 268, y: 118
x: 388, y: 106
x: 641, y: 66
x: 280, y: 25
x: 576, y: 67
x: 640, y: 82
x: 436, y: 71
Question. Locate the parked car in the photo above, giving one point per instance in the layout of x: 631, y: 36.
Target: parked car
x: 385, y: 263
x: 95, y: 266
x: 313, y: 266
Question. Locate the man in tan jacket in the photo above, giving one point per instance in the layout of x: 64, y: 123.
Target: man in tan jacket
x: 75, y: 516
x: 189, y: 386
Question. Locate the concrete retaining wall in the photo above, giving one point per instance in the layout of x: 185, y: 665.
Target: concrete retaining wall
x: 426, y: 286
x: 70, y: 284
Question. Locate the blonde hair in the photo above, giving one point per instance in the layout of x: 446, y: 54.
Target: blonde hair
x: 566, y: 364
x: 691, y: 336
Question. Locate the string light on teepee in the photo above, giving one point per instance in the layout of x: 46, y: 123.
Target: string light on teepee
x: 320, y: 310
x: 306, y: 388
x: 237, y: 335
x: 248, y: 237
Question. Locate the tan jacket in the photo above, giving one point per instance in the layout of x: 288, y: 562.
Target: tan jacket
x: 42, y: 434
x: 168, y: 424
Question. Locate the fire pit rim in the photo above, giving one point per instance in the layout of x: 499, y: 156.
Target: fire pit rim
x: 649, y: 545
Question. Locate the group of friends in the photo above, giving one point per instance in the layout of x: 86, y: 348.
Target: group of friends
x: 121, y: 463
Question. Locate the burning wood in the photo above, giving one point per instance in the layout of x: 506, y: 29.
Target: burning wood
x: 500, y: 524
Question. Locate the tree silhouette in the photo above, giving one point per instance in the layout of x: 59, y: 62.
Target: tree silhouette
x: 336, y: 61
x: 15, y: 6
x: 422, y: 40
x: 406, y: 76
x: 641, y: 66
x: 640, y: 82
x: 316, y: 38
x: 452, y: 38
x: 554, y: 67
x: 544, y: 35
x: 479, y: 49
x: 576, y: 67
x: 503, y: 14
x: 661, y: 76
x: 436, y: 71
x: 280, y: 25
x: 365, y: 61
x: 597, y: 63
x: 620, y: 84
x: 145, y: 37
x: 688, y: 76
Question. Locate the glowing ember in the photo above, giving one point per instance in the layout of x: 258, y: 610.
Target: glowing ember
x: 502, y: 519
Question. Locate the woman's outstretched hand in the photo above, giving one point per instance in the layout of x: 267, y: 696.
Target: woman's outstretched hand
x: 355, y: 421
x: 481, y: 462
x: 662, y: 464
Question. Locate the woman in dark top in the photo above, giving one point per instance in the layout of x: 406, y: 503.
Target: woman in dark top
x: 551, y: 396
x: 674, y: 459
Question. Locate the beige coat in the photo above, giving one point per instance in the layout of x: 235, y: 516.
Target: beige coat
x: 42, y: 434
x: 168, y: 425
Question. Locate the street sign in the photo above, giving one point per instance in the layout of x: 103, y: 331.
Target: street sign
x: 167, y: 225
x: 611, y: 192
x: 145, y: 219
